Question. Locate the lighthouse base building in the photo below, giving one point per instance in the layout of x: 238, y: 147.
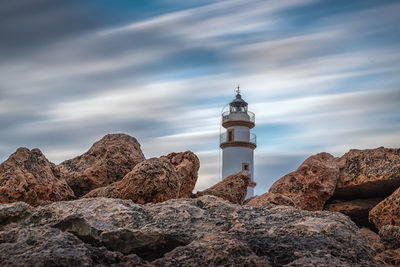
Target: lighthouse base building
x: 238, y: 143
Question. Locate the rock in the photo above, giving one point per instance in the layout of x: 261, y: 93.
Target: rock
x: 328, y: 260
x: 28, y: 176
x: 312, y: 184
x: 186, y: 164
x: 269, y: 199
x: 390, y: 257
x: 213, y: 250
x: 153, y: 180
x: 368, y: 173
x: 357, y: 209
x: 390, y: 236
x: 107, y: 161
x: 182, y: 232
x: 373, y: 239
x: 387, y: 211
x: 47, y: 246
x: 233, y: 188
x: 13, y: 212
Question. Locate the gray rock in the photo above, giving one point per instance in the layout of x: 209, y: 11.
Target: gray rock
x: 390, y: 236
x: 13, y: 212
x: 190, y: 232
x: 213, y: 250
x: 47, y: 246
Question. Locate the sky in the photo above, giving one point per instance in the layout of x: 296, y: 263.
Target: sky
x: 319, y: 75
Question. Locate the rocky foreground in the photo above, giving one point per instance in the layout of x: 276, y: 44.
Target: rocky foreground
x: 113, y: 207
x: 207, y: 231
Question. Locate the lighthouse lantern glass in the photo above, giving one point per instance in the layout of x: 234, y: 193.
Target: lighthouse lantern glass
x: 238, y: 104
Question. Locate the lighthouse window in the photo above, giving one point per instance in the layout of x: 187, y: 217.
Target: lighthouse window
x: 245, y: 166
x: 230, y: 135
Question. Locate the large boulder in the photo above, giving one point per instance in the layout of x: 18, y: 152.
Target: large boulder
x: 186, y: 164
x: 387, y: 211
x: 269, y: 199
x: 368, y: 173
x: 182, y: 232
x: 233, y: 188
x: 107, y: 161
x: 28, y: 176
x: 312, y: 184
x: 357, y: 209
x: 153, y: 180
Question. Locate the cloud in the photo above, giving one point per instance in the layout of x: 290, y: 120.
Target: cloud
x: 71, y: 72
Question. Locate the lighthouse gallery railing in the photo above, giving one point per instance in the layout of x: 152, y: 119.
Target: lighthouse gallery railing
x: 252, y: 139
x: 227, y: 115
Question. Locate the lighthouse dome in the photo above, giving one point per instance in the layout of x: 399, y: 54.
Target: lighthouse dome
x: 238, y: 104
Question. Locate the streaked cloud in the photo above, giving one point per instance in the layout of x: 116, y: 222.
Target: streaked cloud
x: 320, y: 76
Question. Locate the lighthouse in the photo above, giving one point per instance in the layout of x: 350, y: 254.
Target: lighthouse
x: 237, y: 142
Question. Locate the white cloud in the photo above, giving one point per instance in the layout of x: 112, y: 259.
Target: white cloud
x: 331, y: 90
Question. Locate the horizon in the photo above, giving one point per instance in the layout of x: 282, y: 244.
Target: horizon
x: 320, y: 77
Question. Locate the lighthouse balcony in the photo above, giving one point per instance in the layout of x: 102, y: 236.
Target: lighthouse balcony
x: 250, y: 142
x: 238, y: 118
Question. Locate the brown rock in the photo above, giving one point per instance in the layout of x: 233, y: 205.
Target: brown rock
x: 269, y: 199
x: 233, y: 188
x: 186, y: 164
x: 368, y: 173
x: 312, y: 184
x: 373, y: 239
x: 107, y: 161
x: 390, y: 236
x: 387, y: 211
x: 357, y: 209
x: 28, y: 176
x: 390, y: 257
x: 153, y: 180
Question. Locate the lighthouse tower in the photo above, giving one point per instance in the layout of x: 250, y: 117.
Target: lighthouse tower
x: 237, y: 143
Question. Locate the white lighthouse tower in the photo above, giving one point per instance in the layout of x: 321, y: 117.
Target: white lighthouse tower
x: 237, y: 143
